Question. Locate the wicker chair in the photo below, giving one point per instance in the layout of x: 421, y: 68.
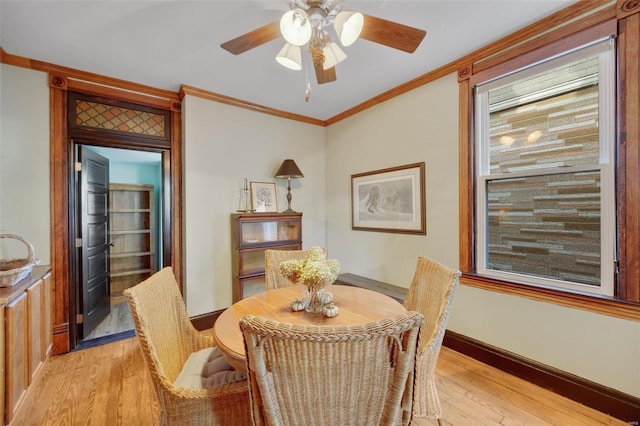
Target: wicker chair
x: 430, y: 293
x: 168, y: 340
x: 272, y: 277
x: 323, y: 375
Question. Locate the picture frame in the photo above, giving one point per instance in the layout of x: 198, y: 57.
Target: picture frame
x: 390, y: 200
x: 263, y: 197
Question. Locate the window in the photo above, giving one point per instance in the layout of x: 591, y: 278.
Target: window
x: 545, y: 169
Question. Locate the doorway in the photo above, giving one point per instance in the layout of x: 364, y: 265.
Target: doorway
x: 133, y: 241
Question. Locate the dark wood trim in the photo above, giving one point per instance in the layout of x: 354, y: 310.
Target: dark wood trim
x: 629, y: 158
x: 88, y: 77
x: 205, y: 321
x: 539, y: 50
x: 556, y: 20
x: 589, y: 22
x: 62, y: 192
x: 174, y: 185
x: 627, y: 8
x: 228, y: 100
x: 59, y: 190
x: 600, y: 304
x: 625, y: 305
x: 465, y: 170
x: 591, y: 394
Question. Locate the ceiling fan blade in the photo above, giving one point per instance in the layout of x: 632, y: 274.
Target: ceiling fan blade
x: 391, y: 34
x: 253, y: 39
x: 325, y: 76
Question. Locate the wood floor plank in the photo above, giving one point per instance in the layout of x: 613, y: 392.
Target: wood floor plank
x: 109, y: 385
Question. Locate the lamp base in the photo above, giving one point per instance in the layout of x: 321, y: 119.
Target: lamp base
x: 289, y: 210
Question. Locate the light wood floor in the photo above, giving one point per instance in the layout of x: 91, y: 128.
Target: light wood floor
x: 108, y: 385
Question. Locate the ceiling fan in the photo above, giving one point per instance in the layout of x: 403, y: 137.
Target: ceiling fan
x: 310, y: 22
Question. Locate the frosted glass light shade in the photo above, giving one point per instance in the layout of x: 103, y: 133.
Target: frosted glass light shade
x: 348, y: 26
x: 333, y: 55
x: 295, y: 27
x: 290, y: 57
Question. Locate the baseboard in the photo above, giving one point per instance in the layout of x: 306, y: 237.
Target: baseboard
x: 607, y: 400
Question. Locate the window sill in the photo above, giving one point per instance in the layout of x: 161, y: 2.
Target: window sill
x: 598, y: 304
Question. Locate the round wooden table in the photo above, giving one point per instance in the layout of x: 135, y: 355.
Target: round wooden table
x: 357, y: 306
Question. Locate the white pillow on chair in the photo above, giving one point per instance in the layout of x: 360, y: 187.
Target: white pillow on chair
x: 207, y: 368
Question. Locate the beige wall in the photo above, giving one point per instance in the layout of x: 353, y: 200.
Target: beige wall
x: 223, y: 145
x: 419, y: 126
x: 24, y: 161
x: 422, y: 125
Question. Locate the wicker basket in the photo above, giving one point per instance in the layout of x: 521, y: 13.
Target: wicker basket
x: 13, y: 270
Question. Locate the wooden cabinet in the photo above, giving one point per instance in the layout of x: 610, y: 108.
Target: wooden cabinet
x: 27, y: 331
x: 251, y: 235
x: 133, y: 236
x: 16, y: 354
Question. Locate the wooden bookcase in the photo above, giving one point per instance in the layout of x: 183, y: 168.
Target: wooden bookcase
x: 251, y: 235
x: 133, y: 236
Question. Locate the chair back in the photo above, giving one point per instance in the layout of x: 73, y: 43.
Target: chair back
x: 430, y: 293
x: 159, y: 314
x: 330, y: 375
x: 272, y: 277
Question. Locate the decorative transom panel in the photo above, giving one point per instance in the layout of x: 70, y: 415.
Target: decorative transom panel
x: 110, y: 117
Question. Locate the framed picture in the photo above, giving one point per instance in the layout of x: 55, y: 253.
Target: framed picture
x: 390, y: 200
x: 263, y: 197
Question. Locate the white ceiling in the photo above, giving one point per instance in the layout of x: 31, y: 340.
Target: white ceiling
x: 164, y: 44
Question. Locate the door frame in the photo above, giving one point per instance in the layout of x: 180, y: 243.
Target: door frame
x: 63, y: 192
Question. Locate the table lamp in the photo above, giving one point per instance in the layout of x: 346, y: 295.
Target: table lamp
x: 288, y: 169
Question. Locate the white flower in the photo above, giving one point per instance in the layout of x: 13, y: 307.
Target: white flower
x: 314, y: 270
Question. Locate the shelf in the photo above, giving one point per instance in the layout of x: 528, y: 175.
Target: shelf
x: 132, y: 235
x: 132, y: 254
x: 252, y: 234
x: 130, y: 272
x: 130, y: 211
x: 130, y: 232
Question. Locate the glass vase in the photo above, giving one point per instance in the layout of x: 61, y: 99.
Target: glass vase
x: 314, y: 301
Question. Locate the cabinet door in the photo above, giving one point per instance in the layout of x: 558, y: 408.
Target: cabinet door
x: 17, y: 355
x: 47, y: 315
x: 35, y: 327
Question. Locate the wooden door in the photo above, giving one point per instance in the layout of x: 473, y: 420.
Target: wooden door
x: 93, y: 200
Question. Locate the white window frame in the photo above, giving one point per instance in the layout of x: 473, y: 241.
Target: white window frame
x: 605, y: 48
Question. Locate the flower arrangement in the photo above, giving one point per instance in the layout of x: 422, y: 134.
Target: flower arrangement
x: 314, y: 271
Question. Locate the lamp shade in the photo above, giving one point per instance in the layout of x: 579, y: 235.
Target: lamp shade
x: 290, y: 57
x: 288, y: 169
x: 348, y: 26
x: 333, y: 55
x: 295, y: 27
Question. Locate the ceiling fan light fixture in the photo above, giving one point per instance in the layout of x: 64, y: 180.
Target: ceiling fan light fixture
x: 295, y: 27
x: 333, y: 55
x: 348, y: 26
x: 290, y: 57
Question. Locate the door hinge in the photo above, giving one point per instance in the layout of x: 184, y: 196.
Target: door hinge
x: 79, y: 319
x: 78, y: 166
x: 78, y: 242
